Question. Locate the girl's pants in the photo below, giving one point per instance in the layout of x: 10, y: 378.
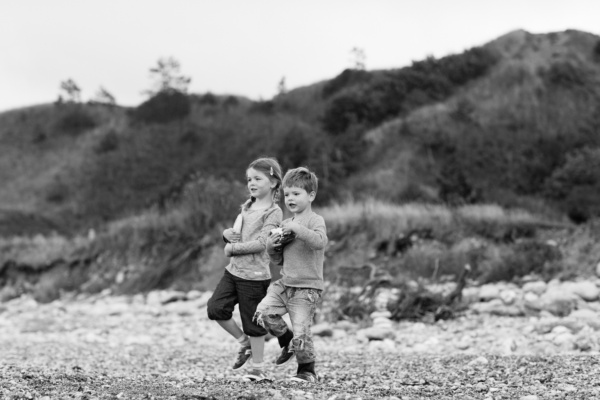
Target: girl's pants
x: 232, y: 290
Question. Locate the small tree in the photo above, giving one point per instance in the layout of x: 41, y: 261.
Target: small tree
x: 71, y: 90
x: 104, y: 97
x: 167, y: 77
x: 358, y: 58
x: 281, y: 88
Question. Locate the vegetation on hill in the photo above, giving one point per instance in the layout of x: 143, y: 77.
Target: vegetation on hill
x: 513, y: 123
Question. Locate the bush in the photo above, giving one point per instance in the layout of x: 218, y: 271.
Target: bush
x: 109, y: 142
x: 165, y: 106
x: 75, y: 121
x: 577, y: 184
x: 527, y: 257
x: 566, y: 74
x: 347, y: 78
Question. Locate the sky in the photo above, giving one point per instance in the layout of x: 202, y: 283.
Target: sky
x: 245, y: 47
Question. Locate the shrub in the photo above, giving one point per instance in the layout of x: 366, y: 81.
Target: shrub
x: 165, y: 106
x: 527, y: 257
x: 347, y: 78
x: 75, y: 120
x: 109, y: 142
x: 577, y: 184
x: 566, y: 74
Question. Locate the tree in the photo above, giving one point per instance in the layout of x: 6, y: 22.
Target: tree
x: 104, y: 97
x: 281, y: 88
x: 167, y: 77
x: 358, y: 58
x: 71, y: 91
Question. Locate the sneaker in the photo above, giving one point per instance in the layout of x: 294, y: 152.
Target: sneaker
x: 285, y: 357
x: 306, y: 377
x: 256, y: 375
x: 243, y: 355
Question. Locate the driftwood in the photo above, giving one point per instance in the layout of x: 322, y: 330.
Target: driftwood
x: 407, y: 299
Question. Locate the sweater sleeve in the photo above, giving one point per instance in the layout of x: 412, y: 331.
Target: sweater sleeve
x: 258, y: 245
x: 315, y: 234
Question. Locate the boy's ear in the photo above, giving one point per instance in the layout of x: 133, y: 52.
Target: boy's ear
x: 311, y: 196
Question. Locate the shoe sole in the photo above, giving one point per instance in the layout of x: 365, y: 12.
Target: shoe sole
x: 295, y: 379
x: 253, y: 378
x: 289, y: 360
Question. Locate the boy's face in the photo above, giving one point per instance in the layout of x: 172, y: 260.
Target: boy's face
x: 297, y: 200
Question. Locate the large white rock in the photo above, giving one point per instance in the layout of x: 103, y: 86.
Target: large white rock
x: 508, y: 296
x: 585, y: 289
x: 537, y: 287
x: 489, y: 292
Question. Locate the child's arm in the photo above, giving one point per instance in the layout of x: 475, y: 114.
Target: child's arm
x: 314, y: 235
x: 275, y: 254
x: 233, y: 235
x: 258, y: 245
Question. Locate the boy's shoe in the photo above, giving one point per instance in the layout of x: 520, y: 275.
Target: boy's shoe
x: 256, y: 375
x: 285, y: 357
x: 243, y: 355
x: 306, y: 377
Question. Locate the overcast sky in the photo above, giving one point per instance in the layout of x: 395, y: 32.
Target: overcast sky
x: 245, y: 47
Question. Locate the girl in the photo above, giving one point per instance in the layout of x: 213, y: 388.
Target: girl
x: 247, y: 276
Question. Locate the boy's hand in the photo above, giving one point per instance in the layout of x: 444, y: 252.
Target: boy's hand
x: 291, y: 226
x: 228, y: 250
x: 231, y: 235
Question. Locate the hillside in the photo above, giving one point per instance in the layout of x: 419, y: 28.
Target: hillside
x: 497, y: 149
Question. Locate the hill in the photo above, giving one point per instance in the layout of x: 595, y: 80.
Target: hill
x: 138, y: 196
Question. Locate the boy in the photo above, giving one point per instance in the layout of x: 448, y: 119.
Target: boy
x: 299, y: 290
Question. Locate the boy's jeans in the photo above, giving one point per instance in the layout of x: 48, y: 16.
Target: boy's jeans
x: 301, y: 304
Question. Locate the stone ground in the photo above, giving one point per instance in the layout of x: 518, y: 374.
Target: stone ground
x: 136, y: 347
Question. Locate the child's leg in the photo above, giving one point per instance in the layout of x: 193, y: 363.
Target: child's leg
x: 250, y: 294
x: 269, y: 311
x: 220, y: 308
x: 302, y: 306
x: 221, y: 304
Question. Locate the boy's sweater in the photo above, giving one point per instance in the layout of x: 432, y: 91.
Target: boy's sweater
x: 249, y: 259
x: 302, y: 259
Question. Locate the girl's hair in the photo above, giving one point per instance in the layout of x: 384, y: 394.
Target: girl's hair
x: 271, y: 168
x: 301, y: 177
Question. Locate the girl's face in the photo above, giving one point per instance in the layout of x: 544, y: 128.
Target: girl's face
x: 259, y: 184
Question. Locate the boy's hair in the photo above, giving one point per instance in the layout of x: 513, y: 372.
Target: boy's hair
x: 271, y: 168
x: 301, y: 177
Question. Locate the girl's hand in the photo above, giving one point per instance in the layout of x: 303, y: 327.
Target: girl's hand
x: 231, y: 235
x: 228, y: 250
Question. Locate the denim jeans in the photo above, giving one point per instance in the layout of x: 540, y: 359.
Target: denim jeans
x: 301, y: 304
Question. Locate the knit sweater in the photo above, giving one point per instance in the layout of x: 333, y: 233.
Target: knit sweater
x: 249, y: 259
x: 302, y: 259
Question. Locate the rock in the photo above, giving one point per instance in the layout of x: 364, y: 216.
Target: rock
x: 584, y: 289
x: 479, y: 361
x: 536, y: 287
x: 565, y: 340
x: 382, y: 322
x: 497, y: 307
x: 193, y: 294
x: 375, y: 333
x: 489, y: 292
x: 381, y: 314
x: 584, y: 315
x: 464, y: 343
x: 509, y: 346
x: 584, y: 343
x: 323, y: 330
x: 557, y: 302
x: 508, y: 296
x: 529, y: 397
